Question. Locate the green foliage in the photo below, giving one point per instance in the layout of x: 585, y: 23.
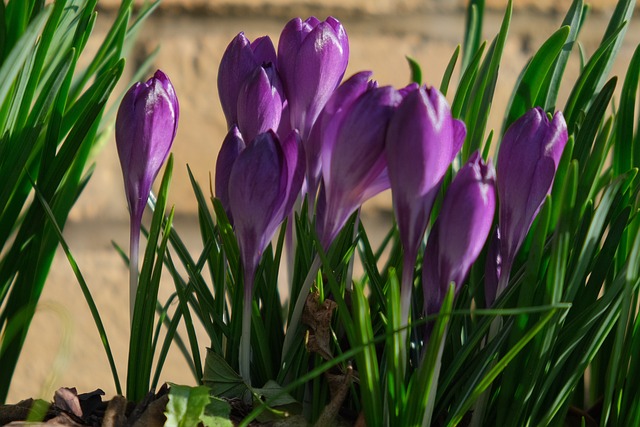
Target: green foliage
x: 564, y: 335
x: 50, y: 119
x: 189, y: 406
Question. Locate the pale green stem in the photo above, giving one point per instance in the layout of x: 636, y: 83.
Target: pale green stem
x: 134, y: 250
x: 433, y: 389
x: 245, y: 338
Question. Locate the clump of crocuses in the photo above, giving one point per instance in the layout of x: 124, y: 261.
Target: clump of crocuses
x: 146, y: 125
x: 527, y: 164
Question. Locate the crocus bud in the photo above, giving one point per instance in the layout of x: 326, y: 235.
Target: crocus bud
x: 146, y: 125
x: 264, y: 182
x: 341, y: 100
x: 527, y: 163
x: 354, y: 167
x: 422, y: 140
x: 460, y: 231
x: 260, y: 102
x: 239, y: 61
x: 312, y: 58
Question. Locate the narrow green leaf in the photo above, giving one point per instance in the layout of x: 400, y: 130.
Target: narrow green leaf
x: 416, y: 71
x: 530, y: 83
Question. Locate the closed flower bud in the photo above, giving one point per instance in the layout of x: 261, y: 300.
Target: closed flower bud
x: 422, y: 140
x: 341, y: 99
x: 312, y: 58
x: 239, y: 61
x: 527, y: 162
x: 354, y: 167
x: 460, y: 231
x: 146, y: 125
x: 264, y: 182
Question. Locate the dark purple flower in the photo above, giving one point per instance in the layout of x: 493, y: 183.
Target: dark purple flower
x: 312, y: 58
x: 264, y: 182
x: 354, y: 167
x: 460, y: 231
x: 146, y: 125
x: 527, y: 163
x: 422, y: 140
x: 239, y: 61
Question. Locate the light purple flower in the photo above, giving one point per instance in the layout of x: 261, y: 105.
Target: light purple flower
x: 312, y: 58
x: 527, y: 162
x: 339, y: 102
x: 264, y: 182
x: 239, y: 61
x: 422, y: 140
x: 146, y: 125
x: 460, y: 231
x: 354, y: 167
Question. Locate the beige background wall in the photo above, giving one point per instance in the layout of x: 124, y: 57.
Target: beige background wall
x: 193, y: 35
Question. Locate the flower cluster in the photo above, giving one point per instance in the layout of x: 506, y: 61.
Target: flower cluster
x: 353, y: 140
x: 295, y: 131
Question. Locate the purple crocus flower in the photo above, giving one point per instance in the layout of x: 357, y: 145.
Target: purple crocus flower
x: 354, y: 167
x: 312, y: 58
x: 264, y: 181
x: 527, y: 162
x: 339, y: 102
x: 239, y: 61
x: 422, y: 140
x: 146, y: 125
x: 460, y: 231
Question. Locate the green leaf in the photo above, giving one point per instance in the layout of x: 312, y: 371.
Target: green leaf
x: 416, y: 71
x: 532, y: 80
x: 188, y: 406
x: 446, y: 77
x: 549, y: 92
x: 221, y: 378
x: 476, y: 114
x: 473, y: 31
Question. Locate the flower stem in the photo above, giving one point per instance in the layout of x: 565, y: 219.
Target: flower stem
x: 245, y: 338
x: 134, y: 250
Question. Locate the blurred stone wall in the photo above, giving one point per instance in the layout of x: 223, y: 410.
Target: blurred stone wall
x: 63, y: 343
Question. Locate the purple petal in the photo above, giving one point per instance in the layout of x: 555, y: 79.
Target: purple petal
x: 255, y: 194
x: 237, y: 63
x: 260, y: 102
x: 232, y: 146
x: 263, y: 50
